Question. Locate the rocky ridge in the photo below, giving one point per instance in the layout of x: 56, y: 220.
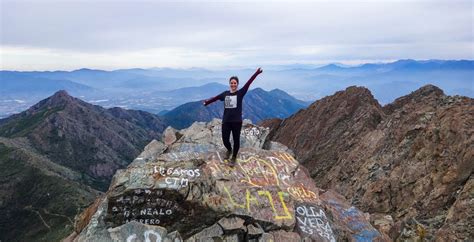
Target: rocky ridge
x: 409, y: 163
x: 180, y: 189
x: 83, y: 137
x: 56, y: 157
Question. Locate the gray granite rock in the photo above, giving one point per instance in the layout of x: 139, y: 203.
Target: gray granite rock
x: 207, y: 234
x: 272, y: 145
x: 170, y: 135
x: 153, y: 149
x: 232, y: 223
x: 189, y: 189
x: 133, y: 231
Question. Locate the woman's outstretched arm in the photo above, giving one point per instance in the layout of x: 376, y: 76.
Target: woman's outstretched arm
x: 247, y: 84
x: 211, y: 100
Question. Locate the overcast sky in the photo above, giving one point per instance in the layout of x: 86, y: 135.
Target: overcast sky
x: 67, y: 35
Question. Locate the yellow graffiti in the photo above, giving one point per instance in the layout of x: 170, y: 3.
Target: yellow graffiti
x: 283, y: 204
x: 220, y: 168
x: 287, y: 157
x: 300, y: 193
x: 283, y: 162
x: 248, y: 199
x: 252, y: 199
x: 251, y: 173
x: 273, y: 170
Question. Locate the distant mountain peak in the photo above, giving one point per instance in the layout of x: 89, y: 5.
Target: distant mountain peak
x: 405, y: 61
x: 331, y: 66
x: 276, y: 90
x: 61, y: 97
x: 90, y: 71
x: 427, y: 90
x: 213, y: 84
x: 258, y: 89
x: 425, y: 94
x: 61, y: 94
x: 357, y: 89
x: 357, y: 92
x: 83, y: 69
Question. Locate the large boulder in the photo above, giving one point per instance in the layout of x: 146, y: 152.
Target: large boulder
x: 187, y: 191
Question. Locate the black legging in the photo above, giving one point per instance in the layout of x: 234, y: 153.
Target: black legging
x: 235, y: 127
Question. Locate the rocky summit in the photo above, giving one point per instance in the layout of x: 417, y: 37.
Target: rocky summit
x: 409, y: 163
x: 181, y: 189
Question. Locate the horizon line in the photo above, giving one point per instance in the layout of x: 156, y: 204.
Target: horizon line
x: 342, y: 64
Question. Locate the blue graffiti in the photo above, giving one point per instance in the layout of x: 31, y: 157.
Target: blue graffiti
x: 356, y: 222
x: 366, y: 235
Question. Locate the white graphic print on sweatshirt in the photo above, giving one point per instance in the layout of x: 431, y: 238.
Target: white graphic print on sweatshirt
x: 230, y: 101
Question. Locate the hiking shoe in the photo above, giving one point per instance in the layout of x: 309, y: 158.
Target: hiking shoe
x: 233, y: 161
x: 227, y: 154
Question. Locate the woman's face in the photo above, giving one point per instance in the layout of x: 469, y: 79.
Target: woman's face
x: 233, y: 85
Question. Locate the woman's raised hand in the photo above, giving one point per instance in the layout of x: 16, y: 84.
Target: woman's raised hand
x: 259, y: 70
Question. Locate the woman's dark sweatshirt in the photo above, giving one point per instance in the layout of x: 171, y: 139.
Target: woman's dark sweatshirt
x: 233, y: 101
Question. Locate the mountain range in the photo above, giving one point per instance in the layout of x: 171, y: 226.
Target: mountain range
x: 57, y: 156
x: 83, y: 137
x: 411, y: 159
x: 258, y: 105
x: 147, y: 89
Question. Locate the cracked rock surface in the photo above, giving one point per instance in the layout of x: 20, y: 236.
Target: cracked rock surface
x: 410, y: 161
x: 182, y: 189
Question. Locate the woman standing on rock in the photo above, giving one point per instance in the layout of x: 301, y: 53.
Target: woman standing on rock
x: 232, y: 120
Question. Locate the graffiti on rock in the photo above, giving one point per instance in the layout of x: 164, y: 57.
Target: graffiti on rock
x: 355, y: 220
x: 256, y: 171
x: 301, y: 193
x: 261, y: 196
x: 147, y: 235
x: 176, y: 178
x: 313, y: 222
x: 252, y: 132
x: 264, y: 181
x: 176, y: 171
x: 141, y: 205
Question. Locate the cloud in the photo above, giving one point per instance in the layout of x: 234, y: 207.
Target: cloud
x: 209, y: 33
x: 52, y: 59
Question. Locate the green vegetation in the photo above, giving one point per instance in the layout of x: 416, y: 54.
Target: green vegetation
x: 36, y: 206
x: 22, y: 126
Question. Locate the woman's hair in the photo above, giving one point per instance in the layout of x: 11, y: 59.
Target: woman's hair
x: 235, y: 78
